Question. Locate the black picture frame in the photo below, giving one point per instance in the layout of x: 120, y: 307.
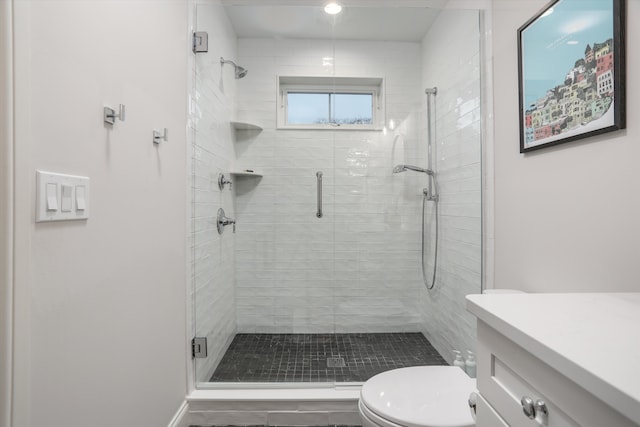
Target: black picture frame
x: 591, y: 99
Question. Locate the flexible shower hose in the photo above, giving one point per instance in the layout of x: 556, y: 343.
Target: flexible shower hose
x: 435, y: 255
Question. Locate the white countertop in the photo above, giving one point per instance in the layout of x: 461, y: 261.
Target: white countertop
x: 593, y: 339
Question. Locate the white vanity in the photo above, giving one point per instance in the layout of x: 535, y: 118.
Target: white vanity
x: 564, y: 359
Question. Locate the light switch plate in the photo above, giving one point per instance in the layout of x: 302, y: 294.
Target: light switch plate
x: 71, y: 182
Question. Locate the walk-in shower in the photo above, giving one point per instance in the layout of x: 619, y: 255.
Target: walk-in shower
x: 293, y: 296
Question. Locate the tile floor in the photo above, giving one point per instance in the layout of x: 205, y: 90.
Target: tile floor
x: 321, y: 357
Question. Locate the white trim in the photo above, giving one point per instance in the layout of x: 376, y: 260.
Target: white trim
x: 6, y: 213
x: 180, y: 419
x: 488, y: 177
x: 23, y: 214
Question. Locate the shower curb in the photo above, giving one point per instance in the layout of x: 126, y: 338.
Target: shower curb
x: 269, y: 407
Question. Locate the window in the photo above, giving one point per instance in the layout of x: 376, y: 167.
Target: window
x: 329, y: 103
x: 309, y: 108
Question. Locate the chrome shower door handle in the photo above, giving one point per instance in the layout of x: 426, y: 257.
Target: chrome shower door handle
x: 319, y: 179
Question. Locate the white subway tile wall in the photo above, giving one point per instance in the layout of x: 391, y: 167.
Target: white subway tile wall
x: 212, y: 108
x: 451, y: 61
x: 357, y: 268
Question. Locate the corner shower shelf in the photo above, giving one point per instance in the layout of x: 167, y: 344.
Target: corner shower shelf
x: 247, y: 172
x: 245, y: 126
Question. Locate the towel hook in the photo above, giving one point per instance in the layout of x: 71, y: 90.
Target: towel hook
x: 157, y: 137
x: 109, y: 114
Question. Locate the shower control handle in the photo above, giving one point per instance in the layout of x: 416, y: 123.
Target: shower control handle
x: 222, y: 181
x: 223, y: 221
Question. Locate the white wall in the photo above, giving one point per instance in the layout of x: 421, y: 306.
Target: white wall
x: 100, y: 304
x: 357, y: 268
x: 451, y: 61
x: 566, y: 218
x: 213, y: 107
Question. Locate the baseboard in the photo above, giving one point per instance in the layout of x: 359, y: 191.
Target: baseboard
x: 180, y: 419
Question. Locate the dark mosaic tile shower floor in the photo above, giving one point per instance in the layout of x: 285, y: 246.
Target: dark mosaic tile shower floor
x: 321, y: 357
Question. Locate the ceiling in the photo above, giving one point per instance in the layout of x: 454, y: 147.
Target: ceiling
x: 355, y: 22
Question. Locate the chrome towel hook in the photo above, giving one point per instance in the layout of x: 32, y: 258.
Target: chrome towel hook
x: 109, y: 114
x: 158, y: 137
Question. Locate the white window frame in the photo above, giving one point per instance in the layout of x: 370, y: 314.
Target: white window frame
x: 332, y: 85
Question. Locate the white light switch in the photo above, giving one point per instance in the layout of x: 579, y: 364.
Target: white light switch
x: 65, y: 204
x: 80, y: 198
x: 61, y: 197
x: 52, y: 197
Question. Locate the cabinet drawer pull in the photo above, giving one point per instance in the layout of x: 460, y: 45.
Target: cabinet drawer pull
x: 542, y: 413
x: 528, y: 407
x: 473, y: 401
x: 534, y: 410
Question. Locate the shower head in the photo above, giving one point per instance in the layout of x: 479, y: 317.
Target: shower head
x: 240, y: 71
x: 402, y: 168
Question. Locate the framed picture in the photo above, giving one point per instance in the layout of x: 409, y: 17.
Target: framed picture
x: 571, y: 72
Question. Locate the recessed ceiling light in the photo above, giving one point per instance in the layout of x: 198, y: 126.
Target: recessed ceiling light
x: 332, y: 8
x: 572, y: 42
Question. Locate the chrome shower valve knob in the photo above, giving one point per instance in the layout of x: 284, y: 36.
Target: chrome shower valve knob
x: 223, y: 221
x: 222, y: 181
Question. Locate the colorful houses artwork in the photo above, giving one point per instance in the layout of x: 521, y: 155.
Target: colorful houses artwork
x: 585, y: 96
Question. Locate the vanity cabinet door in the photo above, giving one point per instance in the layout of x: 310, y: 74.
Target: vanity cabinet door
x: 507, y: 373
x: 486, y: 416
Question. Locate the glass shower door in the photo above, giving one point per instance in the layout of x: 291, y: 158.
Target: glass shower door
x: 213, y: 252
x: 293, y: 297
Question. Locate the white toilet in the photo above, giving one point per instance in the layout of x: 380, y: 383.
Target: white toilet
x: 421, y: 396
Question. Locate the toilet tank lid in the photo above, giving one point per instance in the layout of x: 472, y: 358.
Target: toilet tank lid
x: 423, y: 396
